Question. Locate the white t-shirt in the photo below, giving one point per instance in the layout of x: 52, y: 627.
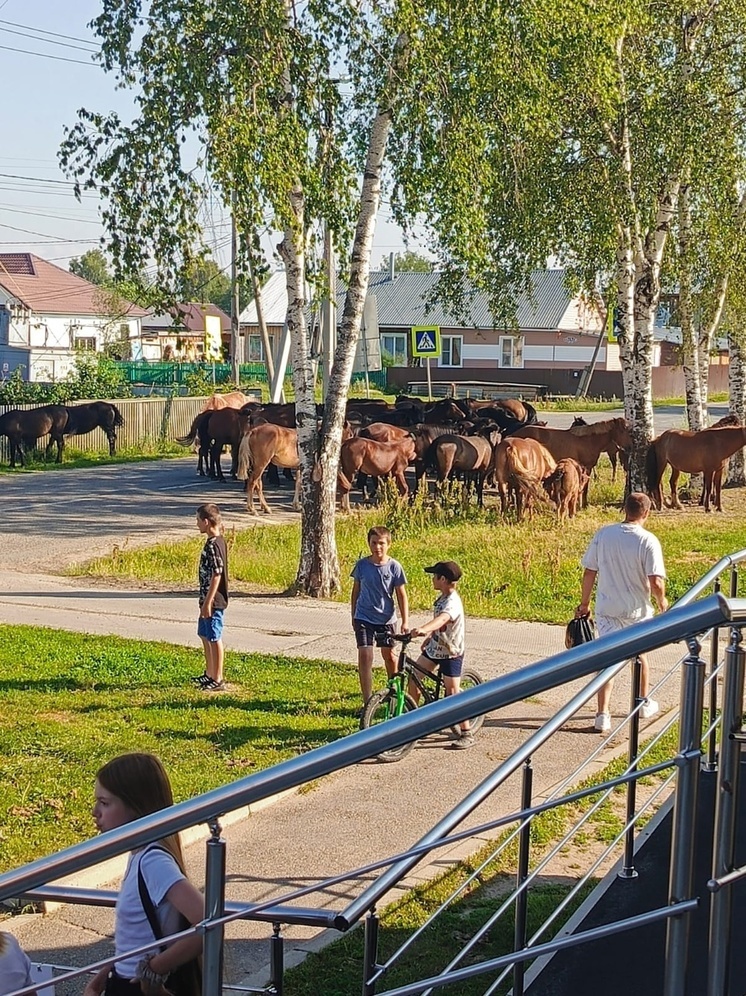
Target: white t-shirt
x: 449, y: 641
x: 15, y: 966
x: 131, y: 926
x: 625, y: 555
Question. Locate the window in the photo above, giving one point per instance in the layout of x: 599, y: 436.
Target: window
x: 394, y: 350
x: 451, y: 354
x: 85, y: 342
x: 256, y: 349
x: 511, y: 351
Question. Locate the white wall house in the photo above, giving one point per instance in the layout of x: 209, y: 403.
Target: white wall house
x: 47, y: 315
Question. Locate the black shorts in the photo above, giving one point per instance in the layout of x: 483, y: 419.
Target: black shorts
x: 449, y: 667
x: 373, y: 635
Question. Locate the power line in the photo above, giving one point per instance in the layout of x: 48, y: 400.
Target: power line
x: 41, y: 214
x: 47, y: 41
x: 36, y: 179
x: 43, y: 55
x: 44, y: 31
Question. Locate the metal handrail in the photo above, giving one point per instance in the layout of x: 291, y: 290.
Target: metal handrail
x: 678, y: 623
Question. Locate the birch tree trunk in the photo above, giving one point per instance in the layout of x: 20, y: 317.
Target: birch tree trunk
x: 696, y: 412
x: 736, y: 475
x: 318, y: 570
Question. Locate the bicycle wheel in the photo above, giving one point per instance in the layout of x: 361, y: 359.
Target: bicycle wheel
x: 470, y: 679
x: 382, y: 707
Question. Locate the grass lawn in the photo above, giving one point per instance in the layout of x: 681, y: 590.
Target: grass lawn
x: 75, y: 459
x: 528, y: 571
x: 70, y: 702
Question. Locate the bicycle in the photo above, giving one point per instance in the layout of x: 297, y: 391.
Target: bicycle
x: 394, y: 700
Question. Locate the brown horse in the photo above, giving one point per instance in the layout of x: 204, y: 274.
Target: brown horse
x: 221, y: 428
x: 471, y: 455
x: 586, y: 449
x: 375, y: 459
x: 616, y: 455
x: 82, y: 419
x: 519, y: 466
x: 263, y: 445
x: 705, y: 452
x: 23, y: 428
x: 232, y: 399
x: 565, y: 487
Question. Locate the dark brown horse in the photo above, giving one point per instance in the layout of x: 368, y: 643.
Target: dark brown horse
x: 582, y: 428
x: 23, y: 428
x: 705, y: 452
x: 374, y: 459
x: 82, y: 419
x: 470, y: 455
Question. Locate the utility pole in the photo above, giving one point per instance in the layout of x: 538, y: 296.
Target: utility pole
x: 235, y: 305
x: 328, y: 314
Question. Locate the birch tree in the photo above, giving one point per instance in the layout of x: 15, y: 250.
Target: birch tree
x: 276, y: 107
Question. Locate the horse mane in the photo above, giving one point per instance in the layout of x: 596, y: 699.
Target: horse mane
x: 594, y: 428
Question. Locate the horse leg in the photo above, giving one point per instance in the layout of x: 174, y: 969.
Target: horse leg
x: 249, y: 485
x: 707, y: 490
x: 216, y: 452
x: 60, y: 447
x: 260, y: 492
x: 717, y: 485
x: 613, y: 461
x: 111, y: 435
x: 234, y: 461
x: 674, y: 484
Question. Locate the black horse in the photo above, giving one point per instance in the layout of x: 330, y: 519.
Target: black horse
x: 82, y: 419
x: 23, y: 428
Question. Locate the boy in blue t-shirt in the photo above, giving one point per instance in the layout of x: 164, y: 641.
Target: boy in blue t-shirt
x: 377, y: 579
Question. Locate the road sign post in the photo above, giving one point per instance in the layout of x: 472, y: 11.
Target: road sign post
x: 426, y: 343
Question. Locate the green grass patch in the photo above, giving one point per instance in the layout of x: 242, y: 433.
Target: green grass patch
x: 527, y: 571
x: 75, y: 459
x: 70, y: 702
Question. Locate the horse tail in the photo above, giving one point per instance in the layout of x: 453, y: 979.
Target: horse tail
x: 522, y: 476
x: 651, y: 468
x: 118, y: 417
x: 245, y: 457
x: 192, y: 434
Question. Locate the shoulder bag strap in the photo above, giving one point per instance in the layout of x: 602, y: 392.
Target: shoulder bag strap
x: 147, y: 902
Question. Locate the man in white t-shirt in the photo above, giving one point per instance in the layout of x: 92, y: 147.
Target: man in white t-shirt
x: 625, y: 564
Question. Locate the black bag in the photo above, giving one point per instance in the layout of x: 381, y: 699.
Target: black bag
x: 579, y: 631
x: 186, y: 980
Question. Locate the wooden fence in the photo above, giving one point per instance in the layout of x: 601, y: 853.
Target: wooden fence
x: 146, y: 420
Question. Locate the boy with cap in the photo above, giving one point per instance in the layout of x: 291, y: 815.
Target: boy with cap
x: 444, y: 648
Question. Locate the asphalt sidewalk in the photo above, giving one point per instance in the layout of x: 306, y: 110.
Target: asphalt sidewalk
x: 343, y: 821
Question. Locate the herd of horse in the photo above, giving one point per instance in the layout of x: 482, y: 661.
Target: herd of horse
x: 24, y: 427
x: 498, y: 442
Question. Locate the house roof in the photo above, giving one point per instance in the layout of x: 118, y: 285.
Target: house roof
x: 189, y: 315
x: 402, y: 302
x: 47, y: 289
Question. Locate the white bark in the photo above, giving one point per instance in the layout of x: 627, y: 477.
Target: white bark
x: 736, y: 475
x: 318, y: 570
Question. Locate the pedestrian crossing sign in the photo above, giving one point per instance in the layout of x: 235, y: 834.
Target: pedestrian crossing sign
x: 426, y: 340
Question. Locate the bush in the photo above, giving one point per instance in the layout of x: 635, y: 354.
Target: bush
x: 94, y: 376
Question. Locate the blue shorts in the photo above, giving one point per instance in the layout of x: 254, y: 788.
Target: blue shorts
x: 211, y: 629
x: 373, y: 634
x: 449, y: 667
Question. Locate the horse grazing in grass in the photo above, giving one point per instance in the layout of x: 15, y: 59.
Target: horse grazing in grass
x: 375, y: 459
x: 705, y: 452
x: 470, y: 455
x: 519, y: 467
x: 565, y: 487
x: 23, y: 428
x: 261, y: 446
x: 82, y: 419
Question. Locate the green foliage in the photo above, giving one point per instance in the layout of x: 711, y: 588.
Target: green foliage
x: 92, y: 266
x: 408, y: 262
x: 95, y: 376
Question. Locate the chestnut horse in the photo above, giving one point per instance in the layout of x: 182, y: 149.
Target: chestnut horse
x: 375, y: 459
x: 261, y: 446
x: 705, y: 452
x: 565, y: 487
x: 582, y: 428
x: 519, y: 466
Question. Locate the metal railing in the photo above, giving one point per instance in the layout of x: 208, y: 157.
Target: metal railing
x: 687, y: 620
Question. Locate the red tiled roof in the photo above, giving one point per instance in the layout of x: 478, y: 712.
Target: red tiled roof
x: 48, y: 289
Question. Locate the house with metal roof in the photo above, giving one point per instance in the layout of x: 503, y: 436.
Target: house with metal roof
x: 553, y: 330
x: 188, y: 331
x: 47, y: 315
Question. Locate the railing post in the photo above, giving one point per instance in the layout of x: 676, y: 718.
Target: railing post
x: 628, y: 868
x: 212, y: 954
x: 277, y: 961
x: 521, y: 902
x: 684, y: 817
x: 712, y: 756
x: 726, y: 813
x: 370, y: 956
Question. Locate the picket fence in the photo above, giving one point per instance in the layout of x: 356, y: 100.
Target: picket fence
x: 146, y: 420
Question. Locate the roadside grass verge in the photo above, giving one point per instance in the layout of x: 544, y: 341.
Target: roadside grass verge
x: 69, y: 702
x: 337, y: 969
x: 75, y: 459
x: 527, y: 571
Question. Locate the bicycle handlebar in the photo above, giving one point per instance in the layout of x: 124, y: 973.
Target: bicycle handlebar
x: 404, y: 638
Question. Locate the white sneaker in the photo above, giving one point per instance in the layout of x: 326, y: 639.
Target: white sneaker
x: 603, y: 722
x: 648, y: 709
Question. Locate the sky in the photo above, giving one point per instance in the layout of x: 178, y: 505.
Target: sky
x: 38, y: 211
